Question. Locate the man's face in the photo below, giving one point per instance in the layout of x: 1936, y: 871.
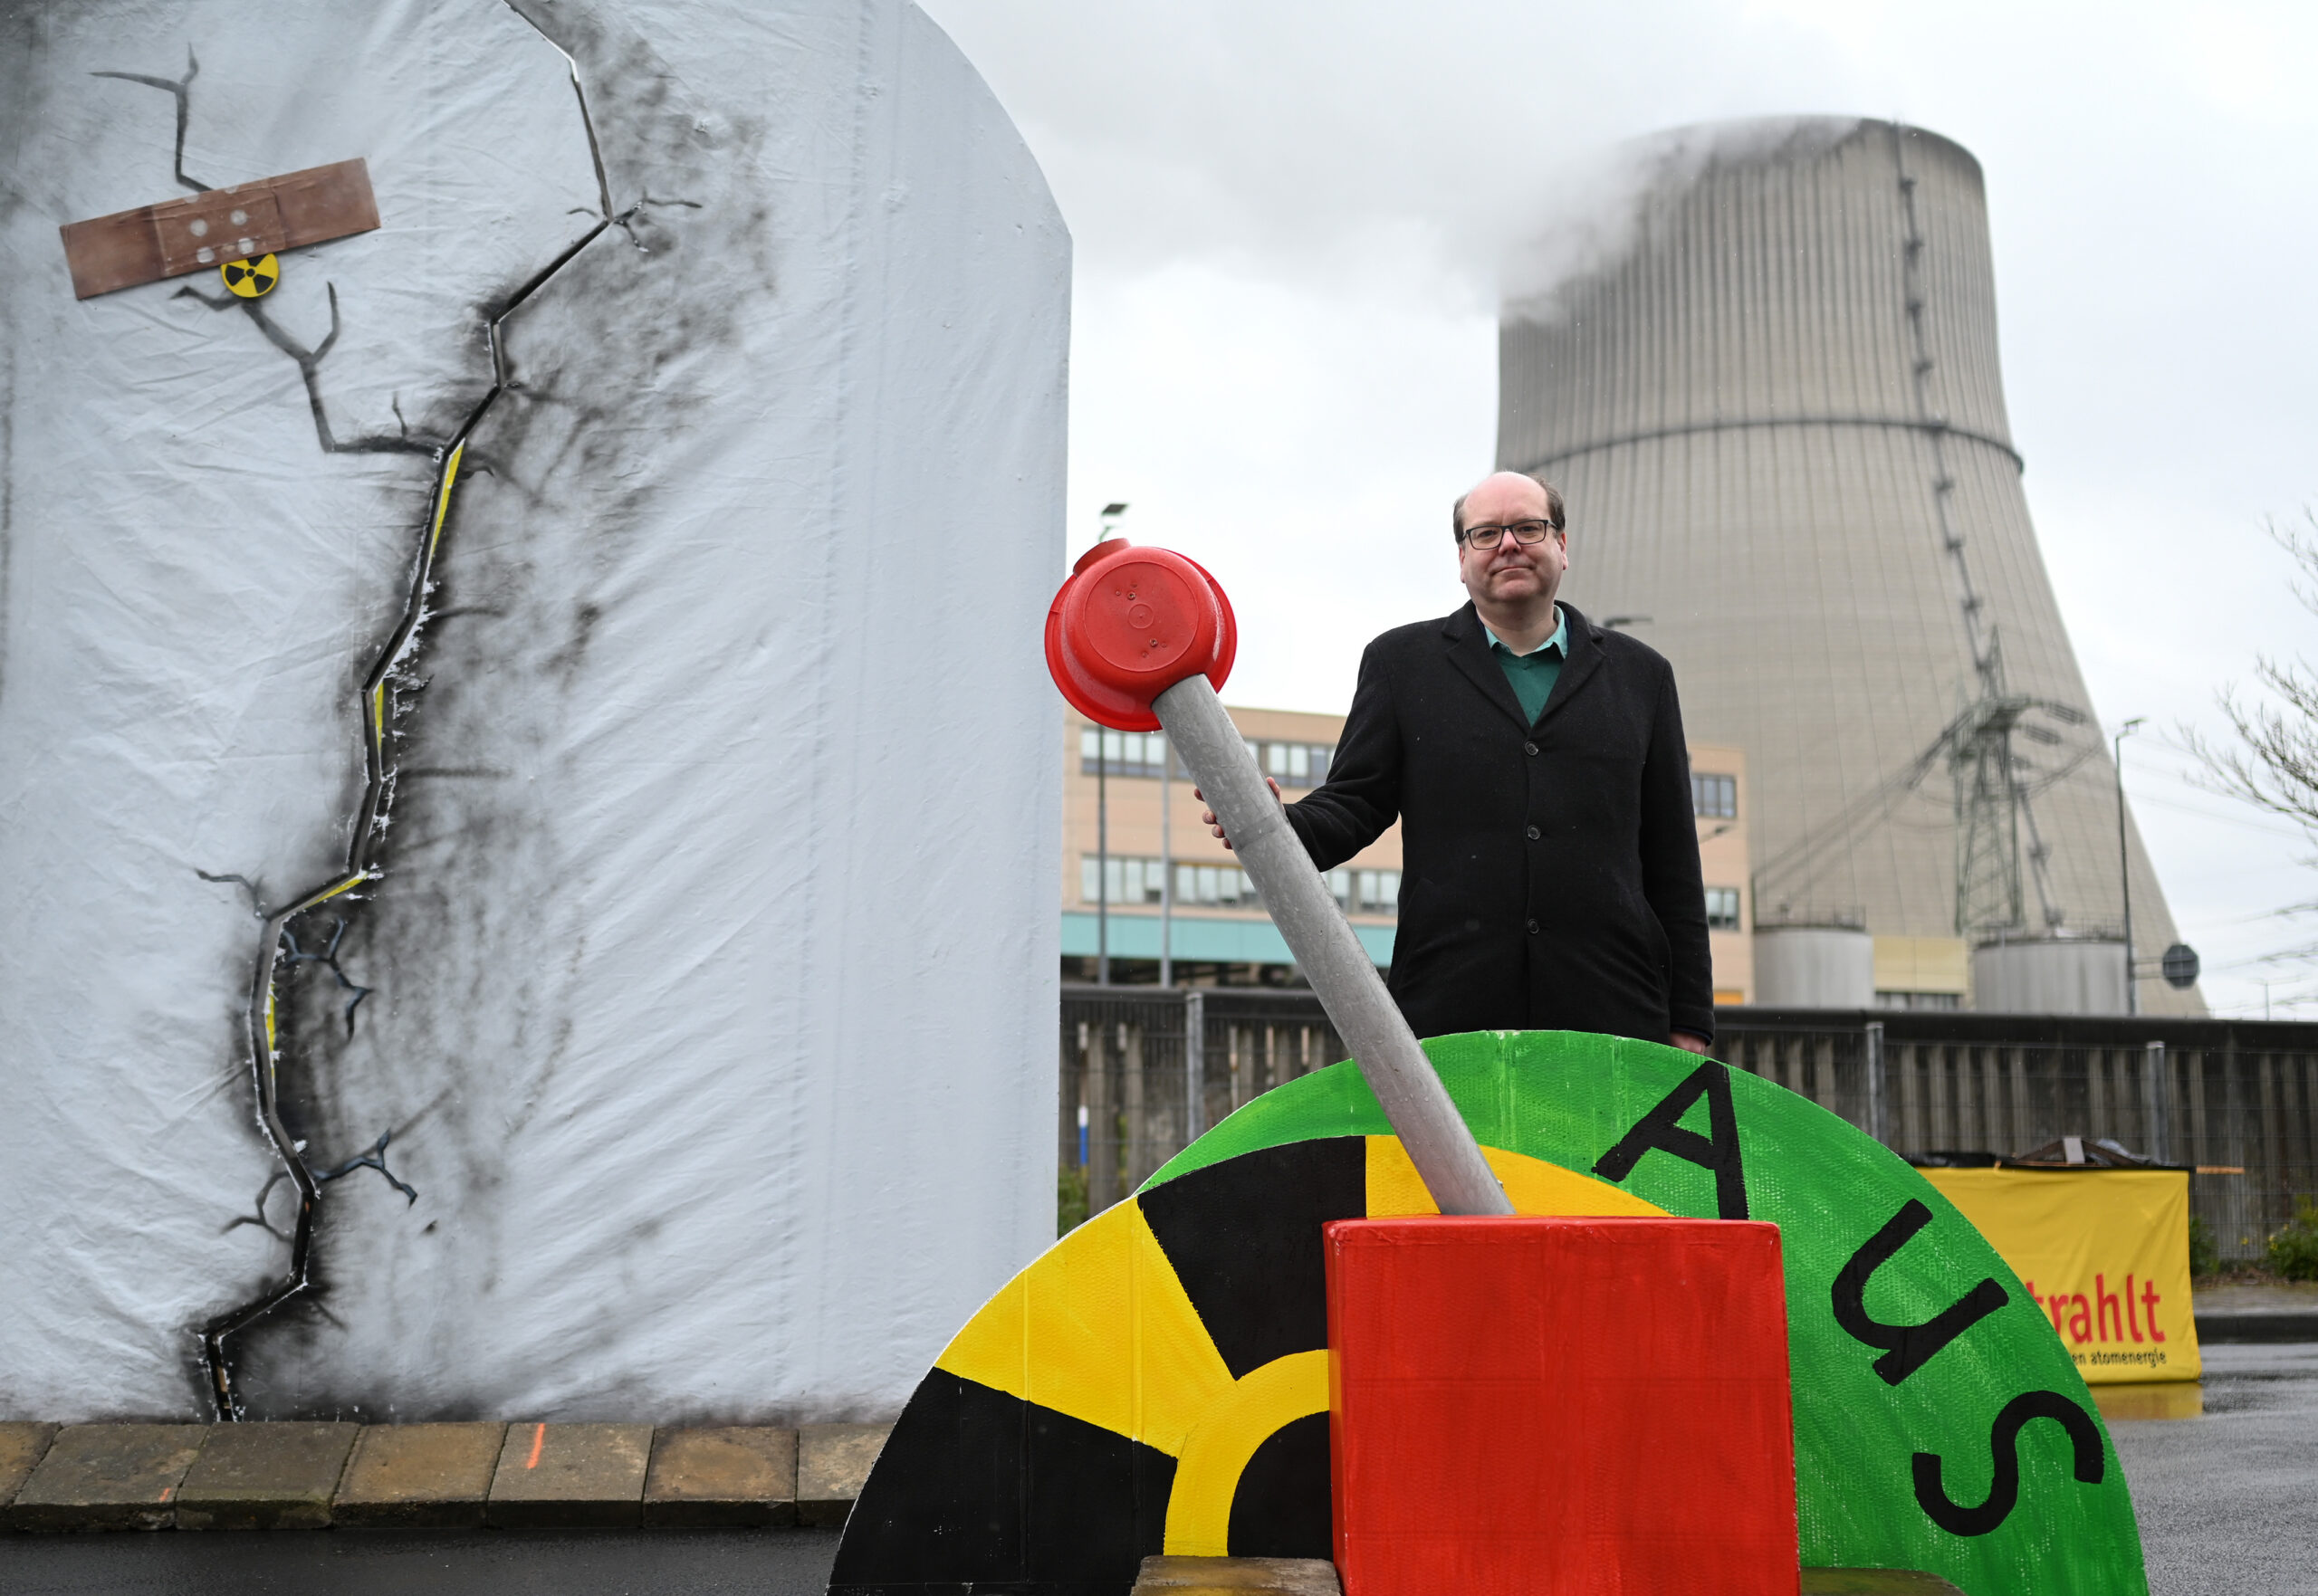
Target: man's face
x: 1510, y: 574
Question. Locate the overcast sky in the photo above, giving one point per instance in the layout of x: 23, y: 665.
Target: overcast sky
x: 1292, y: 221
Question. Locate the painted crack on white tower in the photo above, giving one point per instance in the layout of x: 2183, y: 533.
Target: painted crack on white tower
x: 380, y: 704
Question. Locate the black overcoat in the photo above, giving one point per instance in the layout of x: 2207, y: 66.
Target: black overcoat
x: 1549, y: 873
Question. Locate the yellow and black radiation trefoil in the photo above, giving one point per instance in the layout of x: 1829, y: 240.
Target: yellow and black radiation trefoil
x: 251, y: 280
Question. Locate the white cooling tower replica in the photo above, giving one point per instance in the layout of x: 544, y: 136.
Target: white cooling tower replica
x: 1771, y: 398
x: 525, y: 882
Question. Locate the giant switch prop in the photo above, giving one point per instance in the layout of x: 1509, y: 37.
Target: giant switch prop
x: 1157, y: 1381
x: 1161, y: 1380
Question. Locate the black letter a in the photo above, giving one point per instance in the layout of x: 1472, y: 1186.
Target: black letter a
x: 1662, y: 1128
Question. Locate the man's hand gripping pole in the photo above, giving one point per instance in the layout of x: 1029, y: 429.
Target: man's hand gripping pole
x: 1139, y: 639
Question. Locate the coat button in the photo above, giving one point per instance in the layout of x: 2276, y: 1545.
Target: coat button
x: 1528, y: 748
x: 1532, y: 928
x: 1534, y: 834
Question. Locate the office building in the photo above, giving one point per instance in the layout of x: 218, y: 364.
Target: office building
x: 1217, y: 932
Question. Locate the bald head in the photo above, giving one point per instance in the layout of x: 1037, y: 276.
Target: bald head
x: 1519, y: 495
x: 1512, y: 583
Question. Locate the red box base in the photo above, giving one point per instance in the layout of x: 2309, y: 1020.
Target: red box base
x: 1548, y: 1407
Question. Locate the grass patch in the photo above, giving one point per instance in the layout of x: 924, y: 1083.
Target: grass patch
x: 2294, y: 1246
x: 1069, y: 1199
x: 2205, y: 1252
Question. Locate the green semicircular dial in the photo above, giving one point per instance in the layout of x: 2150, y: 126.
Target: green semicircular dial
x: 1903, y: 1443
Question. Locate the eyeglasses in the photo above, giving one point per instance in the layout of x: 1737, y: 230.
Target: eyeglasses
x: 1526, y: 534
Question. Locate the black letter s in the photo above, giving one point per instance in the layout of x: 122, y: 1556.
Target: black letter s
x: 2004, y: 1441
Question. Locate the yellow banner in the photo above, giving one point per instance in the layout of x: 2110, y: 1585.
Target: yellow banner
x: 2106, y: 1255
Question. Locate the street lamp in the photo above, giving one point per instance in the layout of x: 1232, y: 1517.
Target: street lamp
x: 2124, y: 859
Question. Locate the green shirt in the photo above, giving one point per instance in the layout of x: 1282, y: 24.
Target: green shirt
x: 1533, y: 675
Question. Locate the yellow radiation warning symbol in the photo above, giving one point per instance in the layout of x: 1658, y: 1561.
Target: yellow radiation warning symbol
x: 251, y: 279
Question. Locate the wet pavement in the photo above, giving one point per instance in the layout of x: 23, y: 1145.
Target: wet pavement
x: 2228, y: 1500
x: 421, y: 1563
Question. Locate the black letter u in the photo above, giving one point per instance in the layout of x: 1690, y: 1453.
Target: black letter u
x: 1907, y: 1347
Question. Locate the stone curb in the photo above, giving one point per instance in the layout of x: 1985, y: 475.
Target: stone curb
x: 833, y: 1462
x: 271, y: 1477
x: 721, y: 1478
x: 1237, y: 1576
x: 2256, y: 1327
x: 419, y: 1476
x: 194, y: 1476
x: 108, y: 1477
x: 570, y: 1477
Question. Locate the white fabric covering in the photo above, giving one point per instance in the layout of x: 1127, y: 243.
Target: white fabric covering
x: 714, y: 967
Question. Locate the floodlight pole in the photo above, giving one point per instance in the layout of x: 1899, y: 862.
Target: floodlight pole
x: 2124, y: 858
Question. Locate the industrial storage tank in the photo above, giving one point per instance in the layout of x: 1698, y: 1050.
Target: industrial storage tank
x: 1766, y: 378
x: 1814, y: 967
x: 2050, y: 975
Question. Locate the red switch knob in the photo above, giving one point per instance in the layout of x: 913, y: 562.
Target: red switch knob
x: 1131, y: 623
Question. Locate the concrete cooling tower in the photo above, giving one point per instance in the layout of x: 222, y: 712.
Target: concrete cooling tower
x: 1770, y: 394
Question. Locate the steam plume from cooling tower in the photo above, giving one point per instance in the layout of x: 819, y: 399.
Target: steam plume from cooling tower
x: 1762, y: 366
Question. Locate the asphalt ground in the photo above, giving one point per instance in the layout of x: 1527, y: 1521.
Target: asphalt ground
x: 2228, y: 1507
x: 2229, y: 1502
x: 421, y: 1563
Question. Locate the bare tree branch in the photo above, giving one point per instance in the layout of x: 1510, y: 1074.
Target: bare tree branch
x: 2271, y: 759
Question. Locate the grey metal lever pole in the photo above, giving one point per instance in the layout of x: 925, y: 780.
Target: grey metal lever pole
x: 1436, y: 1135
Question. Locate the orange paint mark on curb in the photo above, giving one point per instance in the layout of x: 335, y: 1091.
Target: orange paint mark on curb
x: 165, y: 1491
x: 539, y: 1440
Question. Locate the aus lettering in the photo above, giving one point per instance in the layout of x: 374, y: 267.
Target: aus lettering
x: 2088, y: 1463
x: 1909, y: 1347
x: 1906, y: 1347
x: 1660, y: 1131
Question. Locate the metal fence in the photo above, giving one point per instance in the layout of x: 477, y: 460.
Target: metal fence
x: 2233, y: 1099
x: 2237, y: 1101
x: 1146, y: 1069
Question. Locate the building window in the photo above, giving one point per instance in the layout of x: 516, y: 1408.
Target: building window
x: 1714, y: 797
x: 1366, y: 892
x: 1918, y: 1000
x: 1137, y: 880
x: 1722, y: 908
x: 1141, y: 753
x: 1295, y: 764
x: 1224, y: 885
x: 1132, y: 881
x: 1122, y: 753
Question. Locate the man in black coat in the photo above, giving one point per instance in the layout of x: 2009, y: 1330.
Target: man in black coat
x: 1549, y: 876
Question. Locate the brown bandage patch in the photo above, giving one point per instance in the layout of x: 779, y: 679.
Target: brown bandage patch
x: 203, y: 230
